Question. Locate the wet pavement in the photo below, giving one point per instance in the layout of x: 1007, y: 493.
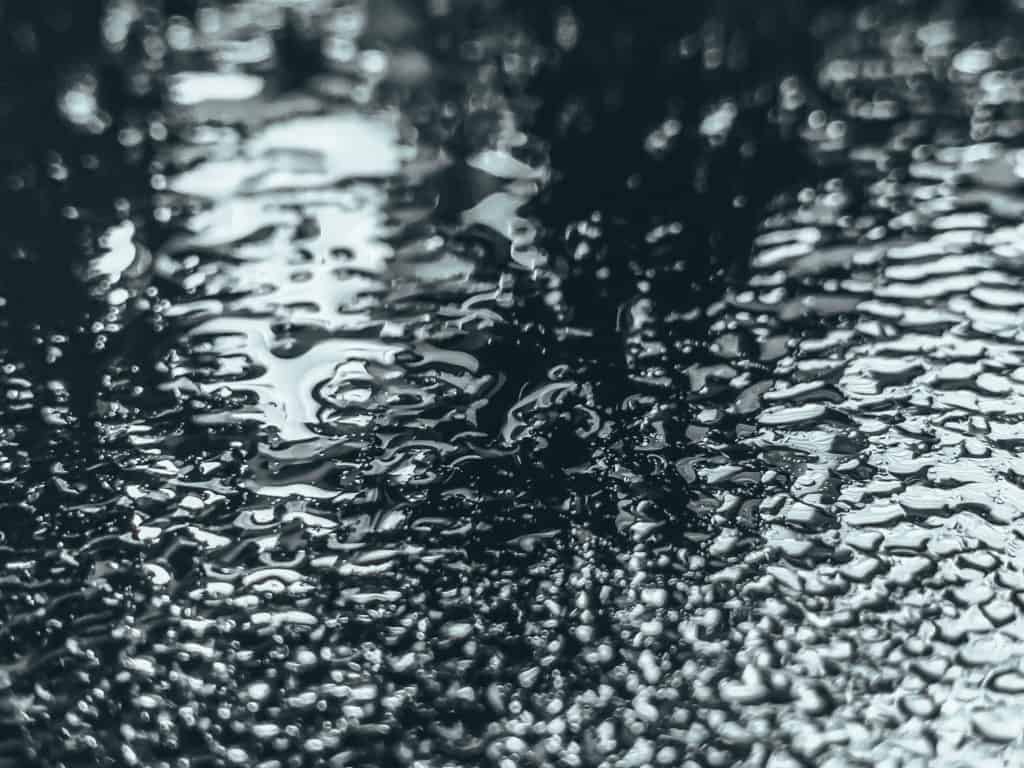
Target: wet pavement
x: 477, y: 384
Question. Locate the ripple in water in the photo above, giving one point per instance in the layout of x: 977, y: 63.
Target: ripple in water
x: 440, y: 420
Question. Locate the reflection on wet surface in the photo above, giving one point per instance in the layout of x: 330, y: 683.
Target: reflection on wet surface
x: 430, y: 412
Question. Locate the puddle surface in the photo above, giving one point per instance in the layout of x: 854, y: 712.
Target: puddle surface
x: 438, y: 403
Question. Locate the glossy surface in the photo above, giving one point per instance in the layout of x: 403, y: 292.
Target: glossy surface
x: 480, y: 385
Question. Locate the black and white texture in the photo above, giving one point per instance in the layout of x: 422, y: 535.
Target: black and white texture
x: 511, y: 383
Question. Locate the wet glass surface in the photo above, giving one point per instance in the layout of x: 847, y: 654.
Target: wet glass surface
x: 468, y: 383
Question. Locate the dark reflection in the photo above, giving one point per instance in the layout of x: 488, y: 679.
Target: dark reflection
x: 473, y: 383
x: 75, y: 160
x: 75, y: 153
x: 556, y: 418
x: 669, y: 135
